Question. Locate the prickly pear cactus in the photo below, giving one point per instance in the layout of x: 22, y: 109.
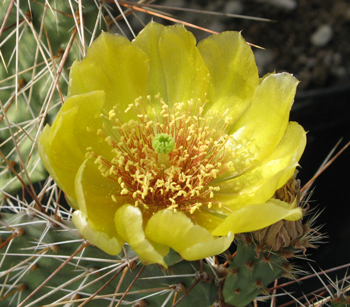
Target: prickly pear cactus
x: 43, y: 259
x: 45, y: 262
x: 250, y: 274
x: 39, y: 42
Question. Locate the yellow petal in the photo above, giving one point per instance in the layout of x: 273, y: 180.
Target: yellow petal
x: 191, y: 241
x: 260, y: 184
x: 129, y: 224
x: 62, y: 147
x: 210, y: 248
x: 208, y: 218
x: 258, y: 216
x: 71, y: 201
x: 186, y: 75
x: 148, y: 41
x: 44, y: 152
x: 262, y: 125
x: 94, y: 197
x: 112, y: 246
x: 234, y: 74
x: 114, y: 65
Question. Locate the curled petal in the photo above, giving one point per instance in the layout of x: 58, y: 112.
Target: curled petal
x: 63, y: 146
x: 258, y: 216
x: 94, y: 197
x: 209, y: 218
x: 112, y: 246
x: 191, y: 241
x: 129, y: 224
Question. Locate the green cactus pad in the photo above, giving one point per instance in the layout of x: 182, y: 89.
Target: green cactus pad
x: 40, y: 248
x: 250, y: 274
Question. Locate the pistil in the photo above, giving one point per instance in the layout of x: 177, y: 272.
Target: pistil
x: 163, y: 144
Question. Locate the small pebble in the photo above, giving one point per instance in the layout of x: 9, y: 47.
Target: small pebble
x: 285, y: 4
x: 178, y: 3
x: 233, y: 7
x: 322, y: 36
x: 263, y: 59
x: 216, y: 26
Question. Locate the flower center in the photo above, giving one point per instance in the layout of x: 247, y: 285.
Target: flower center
x: 163, y: 143
x: 165, y: 159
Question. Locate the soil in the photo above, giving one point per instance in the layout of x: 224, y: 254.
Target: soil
x: 310, y: 40
x: 292, y: 44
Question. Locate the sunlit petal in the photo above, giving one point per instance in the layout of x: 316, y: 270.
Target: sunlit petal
x: 259, y: 184
x: 263, y: 124
x: 234, y: 78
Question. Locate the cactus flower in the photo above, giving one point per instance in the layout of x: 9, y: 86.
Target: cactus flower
x: 165, y: 143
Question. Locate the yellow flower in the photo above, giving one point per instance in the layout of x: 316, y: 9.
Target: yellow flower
x: 164, y: 143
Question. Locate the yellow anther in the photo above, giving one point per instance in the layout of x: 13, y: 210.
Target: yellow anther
x: 193, y: 209
x: 214, y: 172
x: 111, y: 114
x: 124, y: 192
x: 173, y: 207
x: 111, y: 170
x: 109, y: 140
x: 98, y: 160
x: 172, y: 200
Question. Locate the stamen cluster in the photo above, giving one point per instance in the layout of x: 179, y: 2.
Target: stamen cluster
x: 178, y: 180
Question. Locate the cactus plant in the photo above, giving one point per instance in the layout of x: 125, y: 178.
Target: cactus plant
x: 43, y: 258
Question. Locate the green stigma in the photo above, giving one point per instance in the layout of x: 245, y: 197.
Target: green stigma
x: 163, y: 143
